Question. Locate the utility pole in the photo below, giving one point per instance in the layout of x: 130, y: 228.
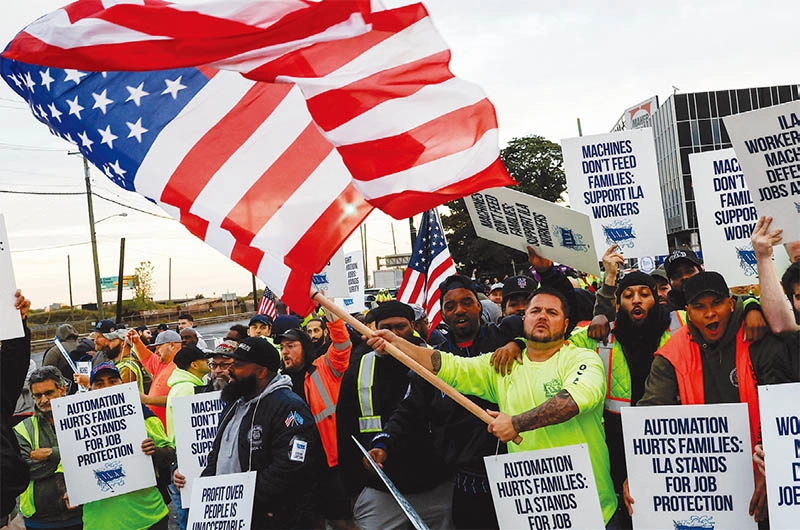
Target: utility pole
x: 363, y: 232
x: 69, y: 282
x: 169, y: 284
x: 120, y: 278
x: 580, y: 130
x: 412, y: 230
x: 98, y: 289
x: 394, y: 243
x: 255, y: 294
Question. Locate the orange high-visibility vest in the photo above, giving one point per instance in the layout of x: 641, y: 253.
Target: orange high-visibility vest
x: 684, y: 355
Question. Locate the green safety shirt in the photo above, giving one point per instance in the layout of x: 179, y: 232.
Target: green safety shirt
x: 577, y: 370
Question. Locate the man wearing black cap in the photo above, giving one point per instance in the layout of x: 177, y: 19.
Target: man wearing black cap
x: 371, y: 390
x: 460, y: 439
x: 267, y: 428
x: 710, y: 361
x: 318, y: 382
x: 260, y: 326
x: 515, y: 293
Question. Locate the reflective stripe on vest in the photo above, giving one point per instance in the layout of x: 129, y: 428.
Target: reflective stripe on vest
x: 368, y: 421
x: 136, y: 369
x: 26, y: 504
x: 330, y: 408
x: 675, y: 322
x: 606, y: 353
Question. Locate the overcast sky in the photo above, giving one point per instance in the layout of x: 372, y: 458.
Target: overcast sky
x: 543, y: 64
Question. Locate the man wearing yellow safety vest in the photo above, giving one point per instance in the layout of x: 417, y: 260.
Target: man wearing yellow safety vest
x: 43, y: 504
x: 371, y: 390
x: 641, y: 327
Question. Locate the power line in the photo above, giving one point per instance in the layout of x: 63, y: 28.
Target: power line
x: 18, y: 147
x: 20, y: 192
x: 132, y: 207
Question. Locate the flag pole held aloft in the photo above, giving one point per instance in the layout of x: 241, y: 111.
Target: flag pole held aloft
x: 411, y: 363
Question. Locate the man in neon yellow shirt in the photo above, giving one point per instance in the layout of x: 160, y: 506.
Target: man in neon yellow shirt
x: 555, y: 398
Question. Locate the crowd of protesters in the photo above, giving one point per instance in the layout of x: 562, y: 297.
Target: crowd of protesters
x: 553, y: 355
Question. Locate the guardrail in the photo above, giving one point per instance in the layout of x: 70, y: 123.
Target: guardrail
x: 41, y: 345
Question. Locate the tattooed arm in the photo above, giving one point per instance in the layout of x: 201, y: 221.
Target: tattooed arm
x: 557, y: 409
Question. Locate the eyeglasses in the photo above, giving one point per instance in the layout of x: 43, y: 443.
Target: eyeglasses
x: 49, y: 394
x: 212, y: 364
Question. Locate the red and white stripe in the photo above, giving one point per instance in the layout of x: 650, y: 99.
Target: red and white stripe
x: 253, y: 177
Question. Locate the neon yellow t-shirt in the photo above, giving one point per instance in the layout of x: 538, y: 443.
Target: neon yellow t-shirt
x: 578, y: 370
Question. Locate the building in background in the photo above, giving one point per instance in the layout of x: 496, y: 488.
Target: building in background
x: 691, y: 123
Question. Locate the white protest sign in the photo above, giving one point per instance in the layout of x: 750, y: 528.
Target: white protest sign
x: 224, y: 501
x: 100, y: 436
x: 690, y: 465
x: 10, y: 321
x: 613, y: 178
x: 354, y: 270
x: 767, y: 144
x: 726, y: 217
x: 332, y: 278
x: 780, y: 430
x: 545, y: 489
x: 195, y: 420
x: 84, y: 368
x: 516, y: 220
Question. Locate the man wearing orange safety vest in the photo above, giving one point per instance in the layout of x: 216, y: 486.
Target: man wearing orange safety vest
x: 318, y: 382
x: 710, y: 361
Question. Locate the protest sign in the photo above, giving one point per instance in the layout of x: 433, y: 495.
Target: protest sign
x: 545, y: 489
x: 780, y: 430
x: 689, y: 466
x: 10, y: 321
x: 613, y: 178
x: 332, y: 278
x: 409, y: 511
x: 223, y: 501
x: 195, y: 419
x: 767, y: 144
x: 516, y: 220
x: 100, y: 436
x: 354, y: 270
x: 726, y: 217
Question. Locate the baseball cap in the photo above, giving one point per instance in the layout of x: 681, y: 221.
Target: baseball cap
x: 419, y: 311
x: 705, y: 283
x: 284, y: 322
x: 162, y: 327
x: 257, y: 350
x: 292, y: 334
x: 226, y: 347
x: 187, y: 355
x: 495, y: 286
x: 518, y: 285
x: 103, y: 367
x: 167, y: 336
x: 679, y: 254
x: 264, y: 319
x: 660, y: 273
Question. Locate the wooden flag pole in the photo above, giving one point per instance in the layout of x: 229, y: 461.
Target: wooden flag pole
x: 410, y: 362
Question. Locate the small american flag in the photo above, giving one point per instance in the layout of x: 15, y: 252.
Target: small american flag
x: 267, y: 305
x: 429, y: 265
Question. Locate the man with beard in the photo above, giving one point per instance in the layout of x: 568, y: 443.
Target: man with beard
x: 710, y: 361
x: 104, y: 332
x: 145, y: 334
x: 42, y: 504
x: 318, y: 382
x: 267, y: 428
x: 641, y: 327
x: 460, y: 439
x: 219, y: 362
x: 371, y: 390
x: 317, y: 330
x: 554, y: 398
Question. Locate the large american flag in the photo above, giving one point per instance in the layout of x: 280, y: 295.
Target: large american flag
x: 429, y: 265
x: 267, y: 305
x: 241, y: 163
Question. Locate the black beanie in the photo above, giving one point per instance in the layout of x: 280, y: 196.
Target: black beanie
x: 636, y: 278
x: 392, y: 308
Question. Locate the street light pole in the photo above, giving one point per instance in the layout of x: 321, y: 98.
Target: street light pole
x: 98, y: 289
